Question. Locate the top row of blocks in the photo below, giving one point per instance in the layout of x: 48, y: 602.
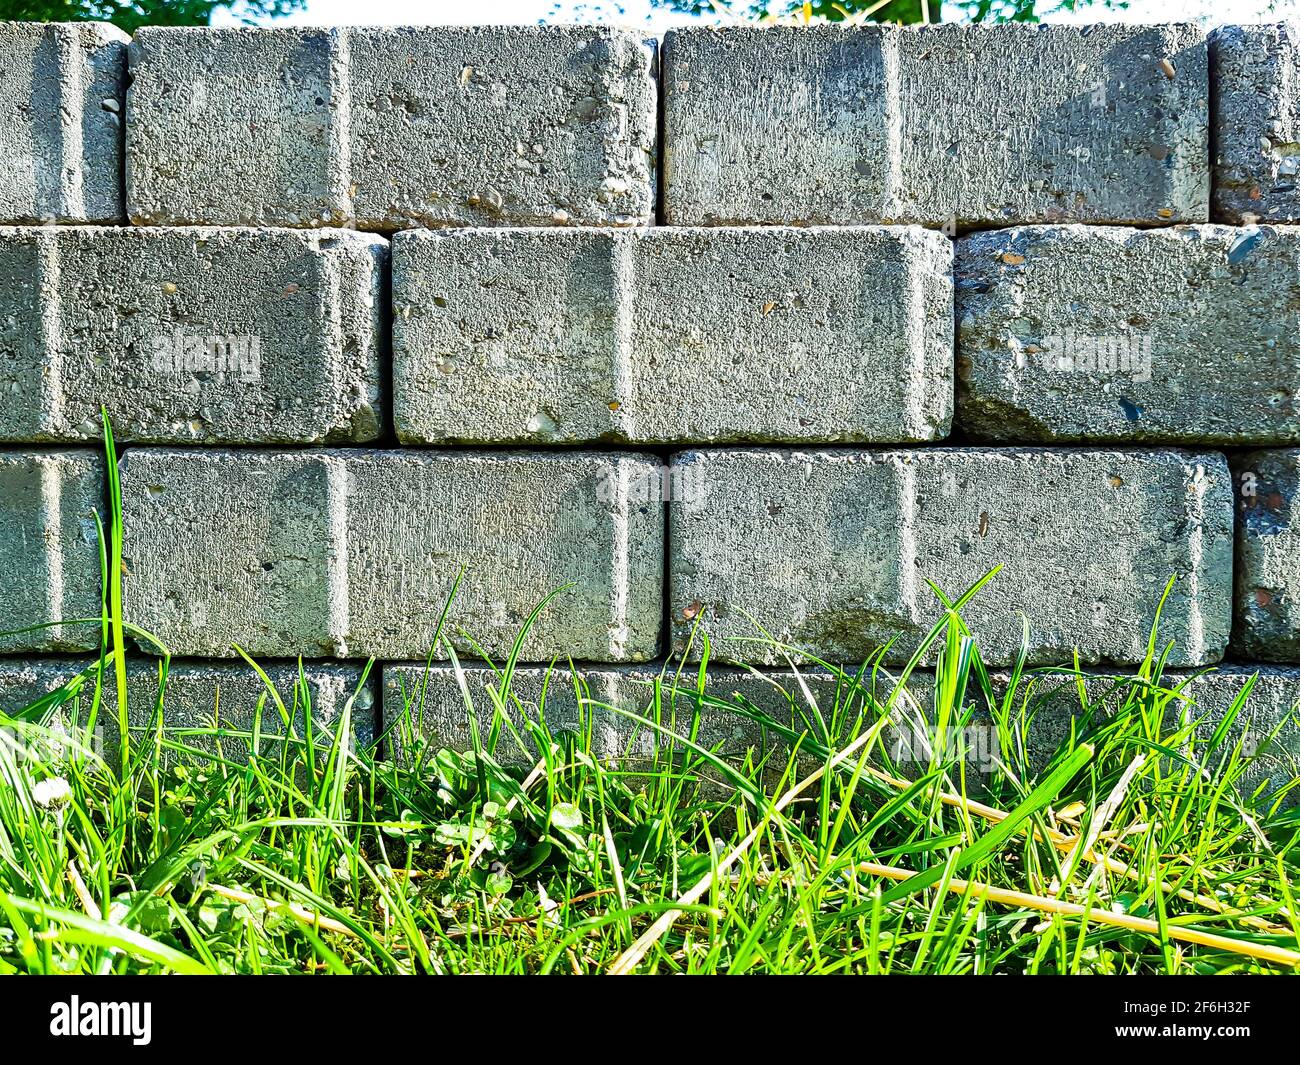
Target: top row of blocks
x: 387, y: 129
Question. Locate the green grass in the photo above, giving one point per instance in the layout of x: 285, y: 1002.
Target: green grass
x: 811, y: 853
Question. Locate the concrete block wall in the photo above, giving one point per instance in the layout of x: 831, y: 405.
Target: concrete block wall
x: 748, y: 325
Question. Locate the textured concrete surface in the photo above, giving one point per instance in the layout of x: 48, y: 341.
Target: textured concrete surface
x: 511, y: 335
x: 191, y: 335
x: 962, y: 125
x: 781, y: 125
x: 61, y: 103
x: 523, y: 525
x: 1255, y: 136
x: 354, y: 553
x: 672, y: 335
x: 1050, y: 123
x: 1078, y: 333
x: 200, y: 695
x: 389, y: 128
x: 49, y: 549
x: 832, y: 550
x: 756, y: 335
x: 837, y: 124
x: 1267, y: 622
x: 1270, y: 719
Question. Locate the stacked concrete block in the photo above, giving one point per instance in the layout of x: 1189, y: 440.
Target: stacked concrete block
x: 49, y: 550
x: 510, y: 335
x: 1079, y: 333
x: 1256, y: 128
x: 61, y: 104
x: 389, y: 128
x: 191, y: 335
x: 197, y: 698
x: 781, y: 125
x: 435, y: 705
x: 832, y: 550
x: 778, y: 284
x: 672, y: 335
x: 847, y: 124
x: 357, y: 553
x: 1268, y: 556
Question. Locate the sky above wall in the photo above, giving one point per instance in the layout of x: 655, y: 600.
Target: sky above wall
x: 641, y: 13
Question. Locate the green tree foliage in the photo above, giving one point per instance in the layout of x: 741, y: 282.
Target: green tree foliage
x: 131, y: 16
x: 904, y: 11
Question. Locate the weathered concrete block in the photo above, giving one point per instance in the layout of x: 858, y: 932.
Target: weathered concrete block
x: 235, y: 547
x: 355, y: 553
x: 1256, y: 129
x: 432, y: 708
x: 1268, y: 556
x: 430, y: 705
x: 831, y: 550
x: 781, y: 125
x: 672, y: 335
x: 1268, y: 725
x: 839, y: 124
x: 49, y: 549
x: 199, y: 696
x: 511, y: 335
x: 61, y: 101
x: 791, y: 335
x: 191, y: 335
x: 1077, y: 333
x: 389, y: 128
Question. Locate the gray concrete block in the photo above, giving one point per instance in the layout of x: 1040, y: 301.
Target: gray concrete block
x: 390, y: 128
x: 191, y: 335
x: 199, y: 696
x: 960, y: 125
x: 49, y: 549
x: 760, y: 335
x: 1256, y: 123
x: 1101, y: 124
x: 781, y: 124
x: 831, y: 550
x: 511, y: 335
x: 355, y: 553
x: 1077, y: 333
x: 523, y: 525
x: 432, y: 708
x: 61, y: 103
x: 1267, y: 625
x: 230, y: 547
x: 1268, y: 725
x: 672, y: 335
